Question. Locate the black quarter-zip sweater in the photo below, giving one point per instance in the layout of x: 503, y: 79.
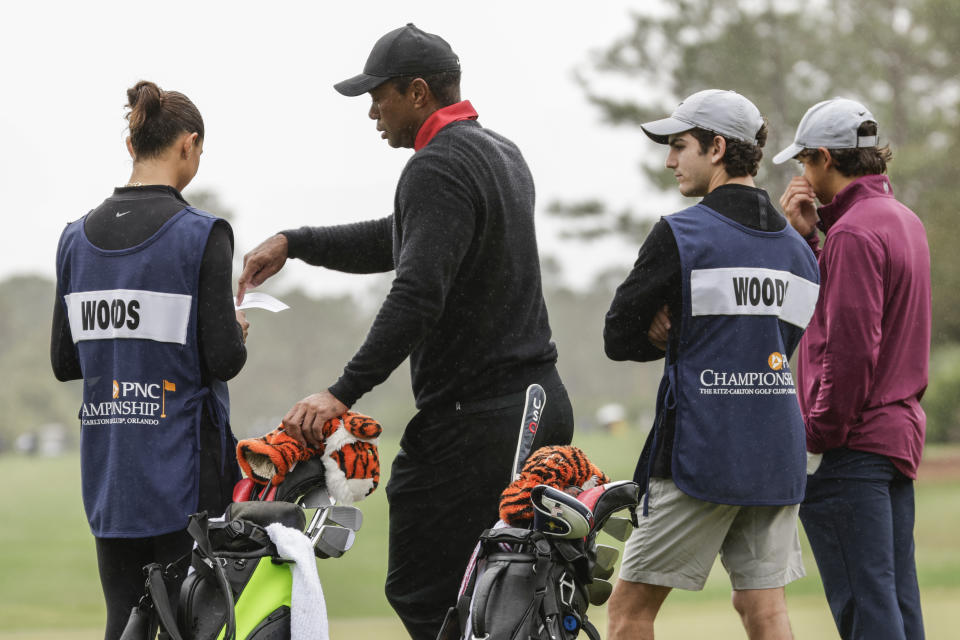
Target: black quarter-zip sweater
x: 466, y: 304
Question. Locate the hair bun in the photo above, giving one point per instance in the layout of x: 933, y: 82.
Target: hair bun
x: 146, y: 97
x: 156, y: 117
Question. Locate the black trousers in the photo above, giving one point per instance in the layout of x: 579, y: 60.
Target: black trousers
x: 444, y: 490
x: 121, y: 562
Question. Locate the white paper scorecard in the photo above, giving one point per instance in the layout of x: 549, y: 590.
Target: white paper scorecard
x: 259, y: 300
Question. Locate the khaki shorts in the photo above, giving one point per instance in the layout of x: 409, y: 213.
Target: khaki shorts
x: 678, y: 542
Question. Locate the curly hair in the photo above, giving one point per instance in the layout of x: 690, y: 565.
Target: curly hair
x: 741, y: 158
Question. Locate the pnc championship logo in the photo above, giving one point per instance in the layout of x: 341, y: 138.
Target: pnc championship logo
x: 131, y: 403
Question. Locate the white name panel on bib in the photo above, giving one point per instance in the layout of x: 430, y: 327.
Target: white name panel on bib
x: 753, y: 292
x: 128, y: 313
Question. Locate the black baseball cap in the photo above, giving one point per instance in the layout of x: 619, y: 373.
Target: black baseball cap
x: 406, y: 51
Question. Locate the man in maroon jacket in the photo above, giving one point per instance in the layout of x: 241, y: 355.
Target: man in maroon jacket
x: 862, y: 370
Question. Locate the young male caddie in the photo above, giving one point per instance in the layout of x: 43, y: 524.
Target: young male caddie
x: 723, y: 290
x: 862, y: 368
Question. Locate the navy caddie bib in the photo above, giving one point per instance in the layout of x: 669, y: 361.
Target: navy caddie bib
x: 133, y: 319
x: 747, y: 298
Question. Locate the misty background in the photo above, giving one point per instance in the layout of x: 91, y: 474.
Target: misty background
x: 568, y: 82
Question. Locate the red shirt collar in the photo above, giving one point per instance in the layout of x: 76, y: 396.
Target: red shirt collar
x: 441, y: 118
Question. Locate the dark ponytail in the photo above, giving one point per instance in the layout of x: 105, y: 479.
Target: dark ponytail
x: 157, y: 117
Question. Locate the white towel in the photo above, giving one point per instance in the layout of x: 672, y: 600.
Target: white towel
x: 308, y: 617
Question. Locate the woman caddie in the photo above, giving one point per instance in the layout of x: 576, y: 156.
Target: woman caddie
x: 145, y: 316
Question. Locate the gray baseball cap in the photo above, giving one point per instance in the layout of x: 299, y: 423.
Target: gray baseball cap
x: 832, y: 124
x: 725, y: 112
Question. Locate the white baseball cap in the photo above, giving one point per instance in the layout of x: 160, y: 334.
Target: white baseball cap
x: 832, y: 124
x: 725, y: 112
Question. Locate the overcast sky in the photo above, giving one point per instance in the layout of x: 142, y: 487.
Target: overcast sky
x: 282, y: 148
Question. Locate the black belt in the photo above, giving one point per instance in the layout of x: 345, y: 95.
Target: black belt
x: 548, y: 382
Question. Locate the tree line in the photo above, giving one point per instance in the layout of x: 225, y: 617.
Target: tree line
x: 897, y: 56
x: 300, y: 351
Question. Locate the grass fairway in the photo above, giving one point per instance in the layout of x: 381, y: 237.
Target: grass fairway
x: 49, y: 586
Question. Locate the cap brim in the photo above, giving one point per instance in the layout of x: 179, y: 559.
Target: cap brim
x: 359, y: 84
x: 788, y: 154
x: 660, y: 130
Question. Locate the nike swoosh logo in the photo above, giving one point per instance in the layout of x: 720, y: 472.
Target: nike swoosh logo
x: 122, y: 214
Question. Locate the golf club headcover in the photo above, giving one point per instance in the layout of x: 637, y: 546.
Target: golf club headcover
x: 559, y: 514
x: 561, y: 467
x: 267, y: 459
x: 351, y: 459
x: 609, y: 498
x: 349, y: 449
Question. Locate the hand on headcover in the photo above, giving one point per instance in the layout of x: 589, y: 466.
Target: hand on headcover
x: 306, y: 419
x: 348, y: 446
x: 561, y: 467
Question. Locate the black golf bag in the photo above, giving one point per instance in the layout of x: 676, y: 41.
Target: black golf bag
x: 525, y: 584
x: 525, y: 587
x: 238, y: 585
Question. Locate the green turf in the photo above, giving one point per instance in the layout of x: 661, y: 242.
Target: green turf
x: 49, y: 586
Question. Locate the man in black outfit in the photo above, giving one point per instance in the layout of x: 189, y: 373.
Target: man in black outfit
x: 466, y: 306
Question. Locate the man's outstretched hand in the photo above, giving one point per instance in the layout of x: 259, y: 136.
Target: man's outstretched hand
x: 260, y: 263
x: 305, y: 420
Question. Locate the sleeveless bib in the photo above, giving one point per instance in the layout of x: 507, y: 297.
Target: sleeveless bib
x: 747, y: 298
x: 133, y: 318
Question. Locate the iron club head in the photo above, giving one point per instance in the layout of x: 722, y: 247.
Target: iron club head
x: 606, y: 558
x: 619, y: 528
x: 316, y: 498
x: 598, y: 591
x: 332, y: 541
x: 345, y: 516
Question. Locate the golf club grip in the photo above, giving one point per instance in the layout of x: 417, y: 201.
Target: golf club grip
x: 536, y: 400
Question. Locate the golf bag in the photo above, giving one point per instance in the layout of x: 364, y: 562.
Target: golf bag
x: 537, y: 583
x: 238, y: 587
x: 534, y: 581
x: 526, y: 586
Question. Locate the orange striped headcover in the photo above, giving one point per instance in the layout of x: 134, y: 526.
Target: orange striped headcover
x: 561, y: 467
x: 269, y: 458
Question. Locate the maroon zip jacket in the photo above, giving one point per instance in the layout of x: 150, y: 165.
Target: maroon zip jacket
x: 863, y: 360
